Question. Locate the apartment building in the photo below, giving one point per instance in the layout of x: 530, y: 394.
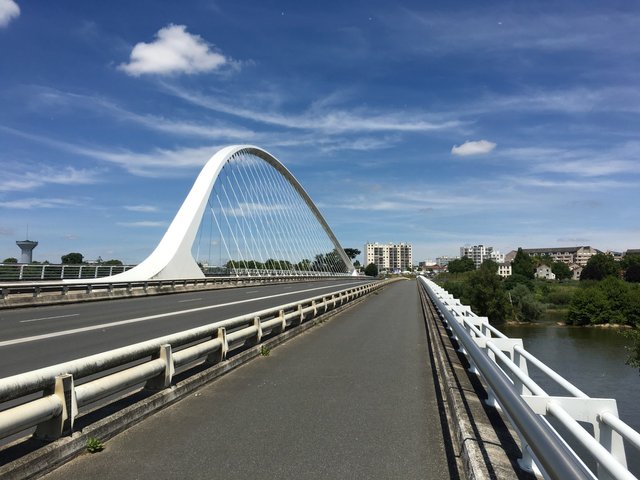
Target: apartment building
x: 390, y: 256
x: 480, y: 253
x: 570, y: 255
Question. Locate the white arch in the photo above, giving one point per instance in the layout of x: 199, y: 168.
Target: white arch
x: 172, y: 258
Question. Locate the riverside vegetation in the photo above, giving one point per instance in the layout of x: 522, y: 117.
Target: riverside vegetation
x: 608, y: 293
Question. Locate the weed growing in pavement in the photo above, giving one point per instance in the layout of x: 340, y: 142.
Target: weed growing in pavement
x: 94, y: 445
x: 265, y: 351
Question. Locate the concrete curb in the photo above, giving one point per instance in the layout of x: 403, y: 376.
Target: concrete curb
x: 48, y: 457
x: 484, y: 446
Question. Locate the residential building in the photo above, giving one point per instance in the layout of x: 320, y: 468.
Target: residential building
x: 480, y: 253
x: 444, y: 260
x: 576, y: 271
x: 544, y: 271
x: 579, y: 255
x: 391, y: 256
x: 504, y: 269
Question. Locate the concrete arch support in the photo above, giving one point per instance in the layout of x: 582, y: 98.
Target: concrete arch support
x: 172, y: 258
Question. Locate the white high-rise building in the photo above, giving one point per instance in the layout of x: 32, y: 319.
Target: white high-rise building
x: 390, y: 256
x: 480, y: 253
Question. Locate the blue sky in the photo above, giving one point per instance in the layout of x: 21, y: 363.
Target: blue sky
x: 435, y: 123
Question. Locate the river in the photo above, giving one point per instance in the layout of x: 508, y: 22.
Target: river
x: 593, y: 359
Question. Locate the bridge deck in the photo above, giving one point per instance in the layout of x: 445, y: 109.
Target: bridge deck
x: 352, y: 398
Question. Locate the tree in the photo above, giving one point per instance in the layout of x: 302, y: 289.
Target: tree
x: 561, y: 270
x: 600, y: 266
x: 461, y: 265
x: 487, y: 294
x: 523, y: 264
x: 73, y: 258
x: 10, y: 260
x: 371, y: 270
x: 352, y: 252
x: 631, y: 266
x: 112, y: 262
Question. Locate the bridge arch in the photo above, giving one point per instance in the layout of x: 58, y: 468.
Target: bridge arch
x: 172, y: 258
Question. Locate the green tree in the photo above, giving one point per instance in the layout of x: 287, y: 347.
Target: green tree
x: 516, y: 279
x: 487, y: 294
x: 352, y: 252
x: 73, y: 258
x: 10, y: 260
x: 113, y: 261
x: 523, y: 264
x: 561, y: 270
x: 631, y: 266
x: 526, y: 307
x: 461, y: 265
x: 371, y: 270
x: 600, y: 266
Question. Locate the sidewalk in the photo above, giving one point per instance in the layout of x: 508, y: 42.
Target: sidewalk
x: 350, y: 399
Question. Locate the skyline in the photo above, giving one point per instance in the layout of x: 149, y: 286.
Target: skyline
x: 442, y: 125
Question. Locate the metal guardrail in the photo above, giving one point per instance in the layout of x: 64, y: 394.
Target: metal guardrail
x: 39, y: 289
x: 153, y: 361
x: 502, y: 363
x: 10, y: 272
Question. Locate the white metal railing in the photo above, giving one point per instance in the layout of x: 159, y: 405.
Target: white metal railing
x: 153, y: 361
x: 10, y: 272
x: 496, y: 358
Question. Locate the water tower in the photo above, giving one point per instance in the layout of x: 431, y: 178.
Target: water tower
x: 26, y: 246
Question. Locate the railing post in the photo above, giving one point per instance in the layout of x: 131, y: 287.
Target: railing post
x: 283, y: 322
x: 163, y: 380
x: 258, y: 338
x: 220, y: 354
x: 61, y: 424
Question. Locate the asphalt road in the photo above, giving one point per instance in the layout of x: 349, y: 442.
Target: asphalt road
x: 353, y: 398
x: 36, y: 337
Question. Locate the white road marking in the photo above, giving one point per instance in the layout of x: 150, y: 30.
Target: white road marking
x: 49, y: 318
x: 152, y: 317
x: 190, y: 300
x: 251, y: 291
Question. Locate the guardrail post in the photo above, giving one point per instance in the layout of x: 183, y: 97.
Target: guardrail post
x: 258, y: 337
x: 315, y: 308
x: 283, y: 324
x: 36, y: 291
x: 62, y: 424
x: 163, y: 380
x: 220, y: 354
x: 300, y: 316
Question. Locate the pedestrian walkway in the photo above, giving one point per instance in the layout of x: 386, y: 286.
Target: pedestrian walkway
x: 353, y: 398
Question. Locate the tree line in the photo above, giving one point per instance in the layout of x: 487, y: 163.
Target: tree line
x: 608, y: 292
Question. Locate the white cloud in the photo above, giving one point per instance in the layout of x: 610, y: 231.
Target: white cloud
x: 174, y: 51
x: 40, y: 175
x: 144, y: 224
x: 478, y: 147
x: 318, y: 118
x: 29, y: 203
x: 8, y: 11
x: 141, y: 208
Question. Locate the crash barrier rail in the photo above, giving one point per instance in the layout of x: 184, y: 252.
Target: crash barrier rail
x: 153, y: 361
x: 502, y: 363
x: 11, y: 272
x: 16, y: 272
x: 51, y: 288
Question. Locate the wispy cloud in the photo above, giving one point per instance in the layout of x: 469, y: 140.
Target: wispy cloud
x: 141, y: 208
x: 143, y: 224
x: 8, y: 11
x: 30, y: 203
x: 333, y: 120
x: 40, y: 175
x: 174, y: 51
